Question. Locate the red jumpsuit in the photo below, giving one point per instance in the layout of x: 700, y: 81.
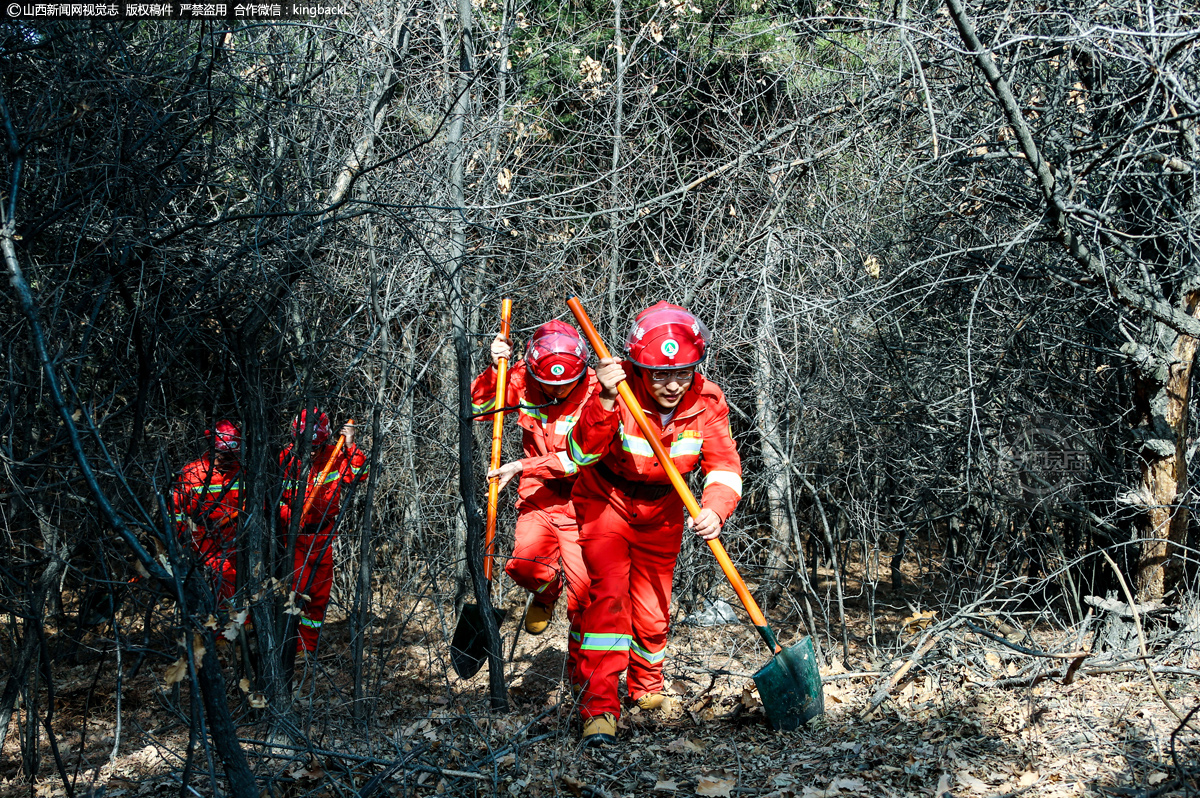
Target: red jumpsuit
x: 546, y: 528
x: 313, y: 565
x: 631, y: 529
x: 208, y: 496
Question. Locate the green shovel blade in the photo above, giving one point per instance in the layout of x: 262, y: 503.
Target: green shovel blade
x: 790, y: 687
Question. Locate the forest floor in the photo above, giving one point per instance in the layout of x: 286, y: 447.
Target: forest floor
x: 972, y: 717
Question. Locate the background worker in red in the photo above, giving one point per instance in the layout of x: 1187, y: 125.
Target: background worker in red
x: 549, y: 386
x: 313, y: 565
x: 631, y: 519
x: 207, y: 500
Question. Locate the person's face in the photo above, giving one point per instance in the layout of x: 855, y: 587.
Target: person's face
x: 668, y: 386
x: 557, y: 391
x: 225, y: 459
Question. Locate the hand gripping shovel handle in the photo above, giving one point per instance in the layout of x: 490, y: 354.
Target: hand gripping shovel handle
x: 681, y: 487
x: 308, y: 500
x: 497, y: 431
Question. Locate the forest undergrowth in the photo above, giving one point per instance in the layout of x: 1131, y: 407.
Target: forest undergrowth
x: 969, y: 701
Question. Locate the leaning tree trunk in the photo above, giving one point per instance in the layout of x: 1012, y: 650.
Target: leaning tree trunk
x: 460, y: 313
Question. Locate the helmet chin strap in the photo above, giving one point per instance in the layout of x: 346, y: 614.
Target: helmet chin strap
x: 512, y: 408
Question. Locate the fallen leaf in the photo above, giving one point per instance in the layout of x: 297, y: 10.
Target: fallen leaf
x: 706, y: 785
x: 257, y: 701
x: 918, y: 620
x: 575, y: 786
x: 1028, y: 778
x: 847, y: 784
x: 176, y: 671
x: 1157, y: 777
x: 198, y: 649
x: 666, y: 785
x: 683, y: 744
x: 942, y: 790
x: 972, y: 783
x: 835, y: 667
x: 244, y: 684
x: 835, y: 788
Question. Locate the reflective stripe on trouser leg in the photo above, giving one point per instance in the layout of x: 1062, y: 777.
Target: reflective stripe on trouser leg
x: 314, y: 570
x: 575, y: 584
x: 630, y: 570
x: 606, y: 555
x: 650, y: 589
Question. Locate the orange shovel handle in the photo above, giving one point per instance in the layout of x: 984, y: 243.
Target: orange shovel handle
x: 664, y: 458
x: 308, y: 500
x: 489, y: 535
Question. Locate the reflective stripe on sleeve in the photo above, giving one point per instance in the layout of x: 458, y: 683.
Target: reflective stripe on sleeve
x: 577, y: 454
x: 310, y: 623
x: 567, y: 464
x: 729, y: 479
x: 564, y: 424
x: 528, y: 410
x: 483, y: 408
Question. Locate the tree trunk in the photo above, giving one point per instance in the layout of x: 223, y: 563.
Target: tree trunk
x: 776, y: 469
x: 1163, y: 525
x: 460, y: 313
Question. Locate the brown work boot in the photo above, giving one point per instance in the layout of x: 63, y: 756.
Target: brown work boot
x: 600, y: 730
x: 650, y: 701
x: 537, y: 617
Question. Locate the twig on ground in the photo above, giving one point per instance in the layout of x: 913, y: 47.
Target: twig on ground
x: 1075, y: 655
x: 886, y: 688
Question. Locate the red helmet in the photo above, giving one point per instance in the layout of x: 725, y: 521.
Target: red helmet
x: 665, y: 336
x: 556, y: 355
x: 318, y: 426
x: 226, y: 437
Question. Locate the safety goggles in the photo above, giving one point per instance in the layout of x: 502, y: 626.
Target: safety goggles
x: 676, y: 375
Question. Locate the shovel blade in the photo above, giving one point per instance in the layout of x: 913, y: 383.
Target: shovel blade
x: 468, y: 648
x: 790, y: 687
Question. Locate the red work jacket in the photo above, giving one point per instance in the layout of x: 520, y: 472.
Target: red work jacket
x: 698, y: 434
x: 210, y: 497
x: 350, y: 466
x: 549, y: 473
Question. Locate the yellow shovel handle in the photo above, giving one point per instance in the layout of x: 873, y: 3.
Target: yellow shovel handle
x: 489, y: 536
x: 308, y: 500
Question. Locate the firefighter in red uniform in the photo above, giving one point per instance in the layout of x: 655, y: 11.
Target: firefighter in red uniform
x: 631, y: 519
x: 313, y: 565
x: 549, y: 386
x: 207, y: 500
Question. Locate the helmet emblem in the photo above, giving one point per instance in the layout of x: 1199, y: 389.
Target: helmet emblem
x: 557, y: 369
x: 670, y: 347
